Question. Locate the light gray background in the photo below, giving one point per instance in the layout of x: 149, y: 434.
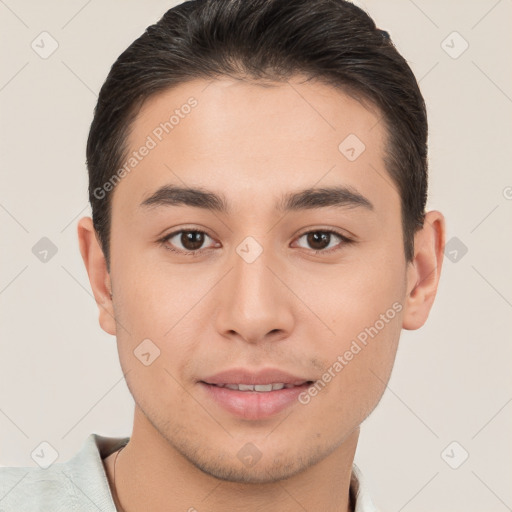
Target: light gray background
x: 60, y: 377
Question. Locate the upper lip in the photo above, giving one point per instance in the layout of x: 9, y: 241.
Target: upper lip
x: 263, y: 376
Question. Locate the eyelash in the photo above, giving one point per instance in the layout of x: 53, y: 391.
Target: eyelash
x: 344, y: 239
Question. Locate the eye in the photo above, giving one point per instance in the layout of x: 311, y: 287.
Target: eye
x: 190, y: 241
x: 187, y: 241
x: 321, y: 240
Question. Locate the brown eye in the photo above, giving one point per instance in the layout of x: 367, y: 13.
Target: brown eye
x: 192, y: 240
x: 318, y: 239
x: 185, y: 241
x: 324, y: 241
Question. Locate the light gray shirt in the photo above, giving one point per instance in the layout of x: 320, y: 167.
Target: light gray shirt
x: 81, y: 484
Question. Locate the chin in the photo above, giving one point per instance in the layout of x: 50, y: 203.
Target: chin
x: 250, y: 466
x: 238, y: 473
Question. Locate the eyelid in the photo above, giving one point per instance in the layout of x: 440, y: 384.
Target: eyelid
x: 313, y: 229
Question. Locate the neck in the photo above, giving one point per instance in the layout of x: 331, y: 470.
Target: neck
x: 151, y: 474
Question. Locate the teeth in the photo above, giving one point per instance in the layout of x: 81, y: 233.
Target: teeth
x: 262, y: 388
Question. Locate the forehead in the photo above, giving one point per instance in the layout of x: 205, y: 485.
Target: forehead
x: 248, y: 138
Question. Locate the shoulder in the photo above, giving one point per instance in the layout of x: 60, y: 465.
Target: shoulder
x: 77, y: 484
x: 34, y: 488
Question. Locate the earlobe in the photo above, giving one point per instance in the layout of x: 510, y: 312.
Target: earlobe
x: 424, y: 271
x: 99, y: 277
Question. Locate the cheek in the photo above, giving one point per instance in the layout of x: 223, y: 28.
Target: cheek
x: 157, y: 389
x: 351, y: 297
x: 161, y: 310
x: 356, y: 372
x: 152, y: 297
x: 363, y: 309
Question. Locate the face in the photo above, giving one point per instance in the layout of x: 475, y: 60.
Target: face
x: 256, y: 275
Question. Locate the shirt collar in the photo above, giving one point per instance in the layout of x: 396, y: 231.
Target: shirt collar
x: 359, y: 487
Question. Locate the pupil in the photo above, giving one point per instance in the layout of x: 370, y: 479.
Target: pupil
x: 313, y: 239
x: 192, y: 240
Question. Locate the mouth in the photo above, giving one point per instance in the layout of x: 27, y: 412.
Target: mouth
x: 262, y: 388
x: 254, y: 395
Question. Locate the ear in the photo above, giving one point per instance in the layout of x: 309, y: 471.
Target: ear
x: 96, y: 267
x: 424, y: 271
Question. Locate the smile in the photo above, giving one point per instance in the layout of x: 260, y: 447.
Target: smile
x: 262, y: 388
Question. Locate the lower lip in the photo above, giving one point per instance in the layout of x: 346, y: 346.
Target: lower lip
x: 254, y: 405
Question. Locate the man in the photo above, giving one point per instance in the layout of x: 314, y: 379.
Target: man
x: 258, y: 181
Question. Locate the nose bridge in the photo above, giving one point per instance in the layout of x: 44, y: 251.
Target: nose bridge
x: 254, y: 302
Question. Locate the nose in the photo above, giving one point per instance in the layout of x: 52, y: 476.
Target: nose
x: 255, y: 304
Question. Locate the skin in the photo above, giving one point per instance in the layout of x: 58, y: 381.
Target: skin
x: 289, y: 309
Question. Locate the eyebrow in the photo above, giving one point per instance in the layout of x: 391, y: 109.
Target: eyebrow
x: 307, y: 199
